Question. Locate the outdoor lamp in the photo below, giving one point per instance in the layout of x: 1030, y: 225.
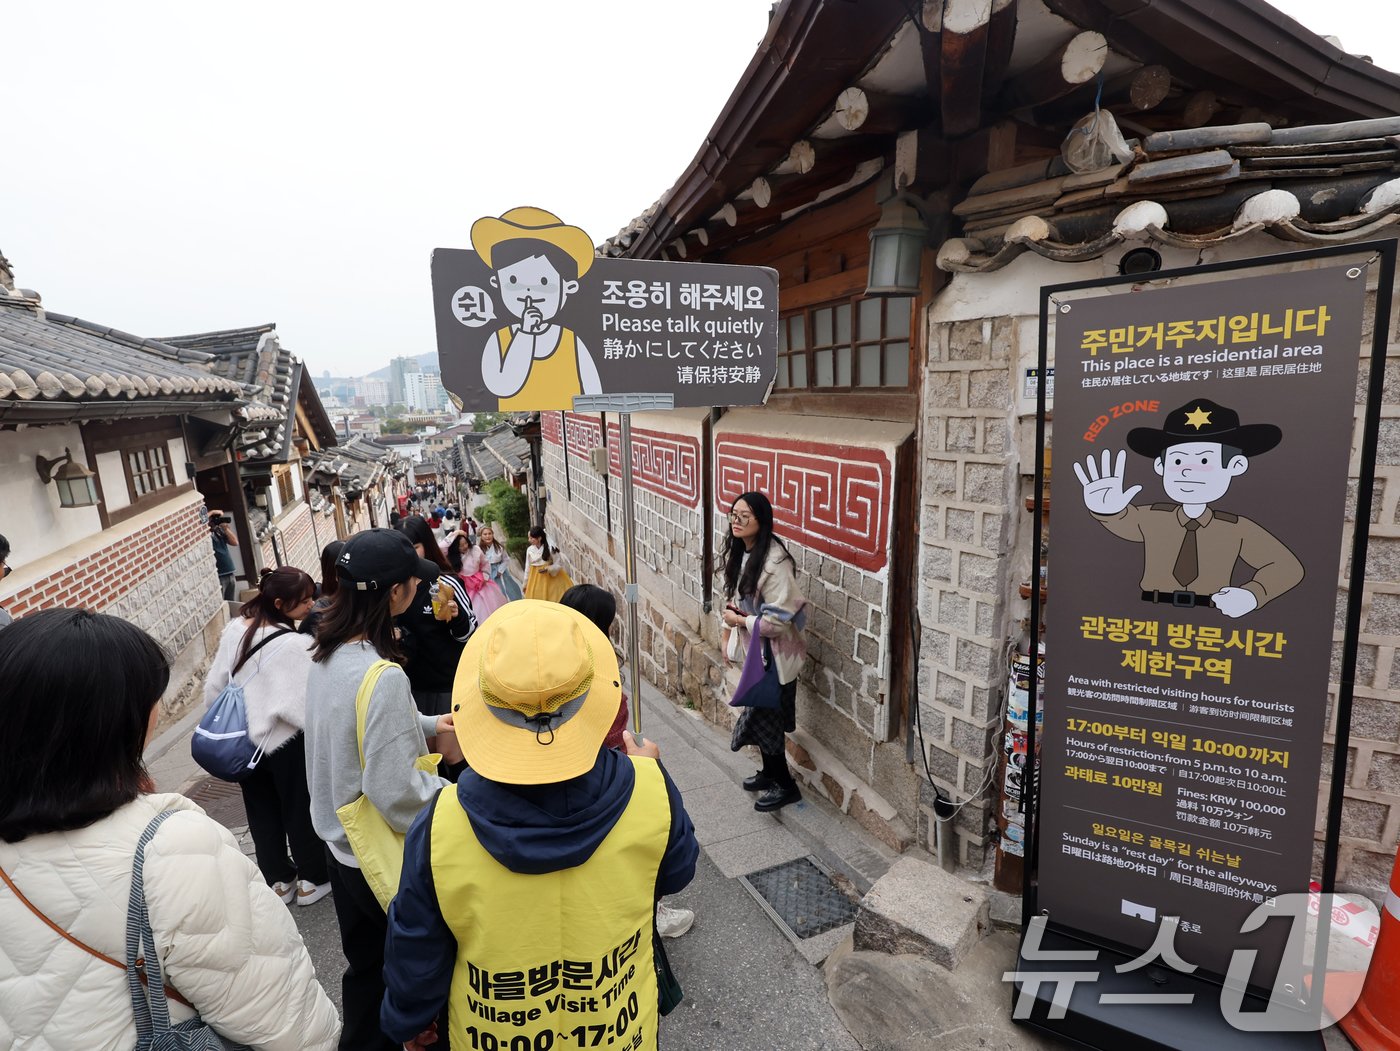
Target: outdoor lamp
x: 75, y: 487
x: 896, y: 248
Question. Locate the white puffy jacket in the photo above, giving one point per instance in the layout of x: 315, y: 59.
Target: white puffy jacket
x: 227, y: 943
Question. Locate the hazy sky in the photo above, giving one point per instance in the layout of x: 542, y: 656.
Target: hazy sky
x: 177, y: 167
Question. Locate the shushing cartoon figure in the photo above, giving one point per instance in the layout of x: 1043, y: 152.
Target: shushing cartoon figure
x: 1189, y: 548
x: 538, y: 260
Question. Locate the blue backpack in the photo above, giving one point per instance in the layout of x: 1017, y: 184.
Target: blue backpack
x: 221, y: 742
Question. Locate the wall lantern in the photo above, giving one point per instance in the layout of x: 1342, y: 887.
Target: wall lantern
x: 897, y: 247
x: 75, y: 485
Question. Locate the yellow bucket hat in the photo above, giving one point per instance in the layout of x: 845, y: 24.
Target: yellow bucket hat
x: 536, y: 692
x: 536, y: 224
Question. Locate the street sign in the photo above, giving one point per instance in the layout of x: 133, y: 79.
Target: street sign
x: 1202, y: 445
x: 530, y: 319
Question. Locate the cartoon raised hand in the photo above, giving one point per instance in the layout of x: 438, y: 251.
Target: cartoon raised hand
x: 1103, y: 487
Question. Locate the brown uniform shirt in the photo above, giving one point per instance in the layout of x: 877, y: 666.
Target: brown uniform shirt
x: 1221, y: 540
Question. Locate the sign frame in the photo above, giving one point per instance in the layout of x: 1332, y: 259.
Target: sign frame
x: 1203, y: 1019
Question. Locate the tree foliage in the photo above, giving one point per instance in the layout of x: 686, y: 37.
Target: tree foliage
x: 484, y: 421
x: 511, y: 511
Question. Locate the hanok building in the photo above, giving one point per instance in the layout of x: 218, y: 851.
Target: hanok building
x: 898, y: 446
x: 358, y: 479
x: 264, y: 491
x: 101, y: 433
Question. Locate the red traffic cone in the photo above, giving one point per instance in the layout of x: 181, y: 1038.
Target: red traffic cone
x: 1374, y: 1023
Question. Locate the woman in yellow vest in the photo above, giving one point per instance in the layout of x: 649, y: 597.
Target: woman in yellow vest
x: 538, y: 260
x: 529, y: 888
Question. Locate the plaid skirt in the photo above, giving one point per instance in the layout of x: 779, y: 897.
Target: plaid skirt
x: 764, y: 727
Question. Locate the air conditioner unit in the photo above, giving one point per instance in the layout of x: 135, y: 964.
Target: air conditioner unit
x: 598, y: 459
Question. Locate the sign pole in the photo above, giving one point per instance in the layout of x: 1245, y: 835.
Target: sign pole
x: 629, y: 540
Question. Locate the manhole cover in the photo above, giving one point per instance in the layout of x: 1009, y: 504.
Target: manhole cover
x: 802, y: 896
x: 221, y: 800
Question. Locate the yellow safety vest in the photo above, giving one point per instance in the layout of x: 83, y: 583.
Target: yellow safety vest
x: 553, y: 381
x: 559, y: 960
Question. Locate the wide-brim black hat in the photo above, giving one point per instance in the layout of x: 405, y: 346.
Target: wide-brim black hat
x: 1203, y: 420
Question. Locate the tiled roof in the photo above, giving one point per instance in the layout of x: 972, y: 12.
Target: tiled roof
x: 53, y: 366
x: 356, y: 464
x: 256, y: 357
x: 1310, y: 185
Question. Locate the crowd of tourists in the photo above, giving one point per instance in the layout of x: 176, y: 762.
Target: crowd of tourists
x: 440, y: 751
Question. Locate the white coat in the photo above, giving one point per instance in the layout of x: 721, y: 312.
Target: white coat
x: 227, y: 943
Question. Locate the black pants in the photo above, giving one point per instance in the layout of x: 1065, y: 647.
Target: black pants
x: 776, y: 769
x: 362, y: 928
x: 279, y: 812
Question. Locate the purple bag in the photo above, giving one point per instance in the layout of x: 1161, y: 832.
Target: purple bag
x: 758, y: 681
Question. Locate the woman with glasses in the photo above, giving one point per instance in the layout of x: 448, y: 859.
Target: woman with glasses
x: 262, y: 651
x: 762, y: 601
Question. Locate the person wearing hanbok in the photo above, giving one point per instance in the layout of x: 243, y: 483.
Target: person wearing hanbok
x: 498, y: 563
x: 544, y: 576
x: 468, y: 561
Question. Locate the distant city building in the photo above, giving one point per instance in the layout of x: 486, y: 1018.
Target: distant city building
x: 373, y: 391
x: 399, y: 371
x: 423, y: 391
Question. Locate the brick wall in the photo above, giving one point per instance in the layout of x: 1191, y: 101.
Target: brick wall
x: 159, y: 575
x: 969, y: 485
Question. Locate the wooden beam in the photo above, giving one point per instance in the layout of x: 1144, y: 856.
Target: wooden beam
x: 1001, y: 40
x: 1200, y: 107
x: 1057, y: 74
x: 801, y: 159
x: 873, y: 112
x: 963, y: 52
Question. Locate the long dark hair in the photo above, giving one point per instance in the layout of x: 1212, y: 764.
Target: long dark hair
x: 454, y: 551
x: 416, y: 528
x: 537, y: 533
x: 747, y: 586
x: 286, y: 584
x: 330, y: 579
x: 597, y: 604
x: 78, y: 685
x: 354, y: 612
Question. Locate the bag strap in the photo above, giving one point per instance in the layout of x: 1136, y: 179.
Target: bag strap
x: 367, y: 685
x: 261, y: 643
x: 148, y: 1001
x: 140, y: 963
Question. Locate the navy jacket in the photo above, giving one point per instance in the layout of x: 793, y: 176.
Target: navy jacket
x: 529, y: 829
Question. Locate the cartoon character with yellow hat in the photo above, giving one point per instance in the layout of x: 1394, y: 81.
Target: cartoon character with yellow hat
x: 538, y: 261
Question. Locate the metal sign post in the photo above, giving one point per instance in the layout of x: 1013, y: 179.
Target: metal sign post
x: 624, y: 405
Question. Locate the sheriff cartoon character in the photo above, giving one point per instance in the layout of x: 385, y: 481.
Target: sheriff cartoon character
x: 1190, y: 548
x: 538, y: 260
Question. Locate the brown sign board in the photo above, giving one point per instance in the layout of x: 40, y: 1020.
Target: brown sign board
x: 551, y: 322
x: 1202, y: 437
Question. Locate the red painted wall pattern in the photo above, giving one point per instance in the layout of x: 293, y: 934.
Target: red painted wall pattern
x: 668, y: 464
x: 549, y: 427
x: 584, y: 434
x: 835, y: 499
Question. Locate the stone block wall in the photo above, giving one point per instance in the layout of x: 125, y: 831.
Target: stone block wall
x: 965, y: 578
x: 296, y: 540
x: 155, y: 570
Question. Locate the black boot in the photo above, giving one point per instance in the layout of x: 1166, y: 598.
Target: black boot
x: 777, y: 797
x: 758, y: 782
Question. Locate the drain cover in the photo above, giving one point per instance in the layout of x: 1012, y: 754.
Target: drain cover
x: 221, y: 800
x: 802, y: 896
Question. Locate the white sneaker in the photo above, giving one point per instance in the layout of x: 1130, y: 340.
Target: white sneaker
x: 285, y: 891
x: 309, y: 893
x: 672, y: 923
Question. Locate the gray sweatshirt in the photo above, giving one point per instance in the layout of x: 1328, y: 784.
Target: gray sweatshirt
x: 394, y: 738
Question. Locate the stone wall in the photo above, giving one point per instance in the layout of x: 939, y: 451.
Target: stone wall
x: 155, y: 570
x: 297, y: 540
x: 969, y: 485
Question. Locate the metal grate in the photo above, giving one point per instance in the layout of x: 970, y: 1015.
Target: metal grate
x: 221, y: 800
x: 802, y: 896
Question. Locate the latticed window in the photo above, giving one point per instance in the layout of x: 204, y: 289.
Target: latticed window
x: 847, y: 344
x: 148, y: 470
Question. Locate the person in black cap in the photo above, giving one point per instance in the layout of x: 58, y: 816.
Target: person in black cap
x: 379, y: 573
x: 1190, y: 549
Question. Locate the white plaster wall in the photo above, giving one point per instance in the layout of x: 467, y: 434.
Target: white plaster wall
x: 115, y: 493
x: 30, y: 517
